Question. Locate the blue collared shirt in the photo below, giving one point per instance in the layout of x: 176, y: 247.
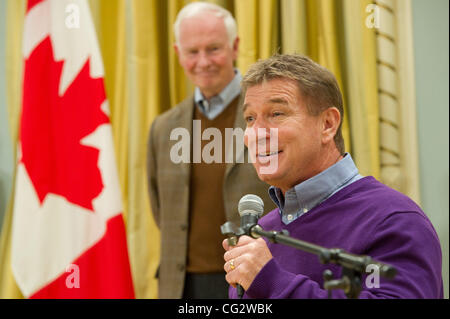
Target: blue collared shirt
x: 305, y: 196
x: 212, y: 108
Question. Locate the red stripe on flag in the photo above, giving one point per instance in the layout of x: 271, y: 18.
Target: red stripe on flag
x: 105, y: 262
x: 32, y: 3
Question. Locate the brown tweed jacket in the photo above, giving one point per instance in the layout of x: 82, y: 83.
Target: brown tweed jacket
x: 169, y: 192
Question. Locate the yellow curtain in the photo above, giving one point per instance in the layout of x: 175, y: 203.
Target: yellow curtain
x: 109, y: 18
x: 361, y: 86
x: 14, y: 26
x: 294, y: 35
x: 324, y: 38
x: 143, y: 79
x: 258, y: 29
x: 179, y: 85
x: 147, y: 98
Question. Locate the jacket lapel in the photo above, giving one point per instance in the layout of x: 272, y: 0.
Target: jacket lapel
x: 184, y: 119
x: 239, y: 156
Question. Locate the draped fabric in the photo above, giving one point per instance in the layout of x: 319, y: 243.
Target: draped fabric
x: 143, y: 79
x: 15, y: 11
x: 397, y: 121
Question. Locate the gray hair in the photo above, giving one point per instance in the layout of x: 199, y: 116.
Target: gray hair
x: 195, y: 8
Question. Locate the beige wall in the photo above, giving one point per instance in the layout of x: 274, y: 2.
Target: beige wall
x: 431, y: 36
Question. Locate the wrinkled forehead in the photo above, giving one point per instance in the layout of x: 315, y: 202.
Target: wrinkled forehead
x: 202, y: 29
x: 275, y: 91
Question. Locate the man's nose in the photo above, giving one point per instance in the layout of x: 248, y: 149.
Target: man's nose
x: 203, y: 60
x: 262, y: 134
x: 261, y: 128
x: 257, y: 134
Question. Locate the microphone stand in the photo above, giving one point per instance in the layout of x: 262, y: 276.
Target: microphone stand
x: 353, y: 266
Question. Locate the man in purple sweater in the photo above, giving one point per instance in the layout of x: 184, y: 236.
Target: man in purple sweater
x: 321, y: 197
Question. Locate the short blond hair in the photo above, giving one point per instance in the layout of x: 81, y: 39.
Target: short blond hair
x: 316, y: 84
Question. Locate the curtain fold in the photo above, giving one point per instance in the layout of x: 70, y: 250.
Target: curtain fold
x: 143, y: 79
x: 14, y: 26
x: 294, y: 36
x: 361, y: 86
x: 179, y: 86
x: 110, y: 20
x: 148, y: 84
x: 246, y: 15
x: 407, y: 100
x: 388, y: 87
x: 324, y: 40
x: 8, y: 286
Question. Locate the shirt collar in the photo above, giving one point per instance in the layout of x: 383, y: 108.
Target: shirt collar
x: 233, y: 89
x: 310, y: 193
x: 218, y: 103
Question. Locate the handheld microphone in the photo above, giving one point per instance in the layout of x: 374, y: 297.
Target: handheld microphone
x: 251, y: 208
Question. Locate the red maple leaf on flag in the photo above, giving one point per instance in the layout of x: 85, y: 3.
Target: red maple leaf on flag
x: 53, y: 126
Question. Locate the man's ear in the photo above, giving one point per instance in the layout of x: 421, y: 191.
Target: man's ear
x: 236, y: 48
x: 331, y: 119
x: 178, y: 52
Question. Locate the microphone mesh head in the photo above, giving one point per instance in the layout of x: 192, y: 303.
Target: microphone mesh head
x: 251, y: 204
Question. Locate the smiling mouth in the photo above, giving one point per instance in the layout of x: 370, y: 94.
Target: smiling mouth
x: 267, y: 154
x: 206, y: 72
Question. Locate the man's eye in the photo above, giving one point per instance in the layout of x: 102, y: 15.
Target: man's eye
x: 277, y: 113
x: 249, y: 119
x: 213, y: 50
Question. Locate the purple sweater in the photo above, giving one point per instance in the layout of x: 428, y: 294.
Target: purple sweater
x: 364, y: 218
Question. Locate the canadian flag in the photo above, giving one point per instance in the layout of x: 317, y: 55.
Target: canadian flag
x: 68, y: 233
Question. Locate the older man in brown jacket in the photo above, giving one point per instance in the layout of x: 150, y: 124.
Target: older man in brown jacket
x: 195, y: 178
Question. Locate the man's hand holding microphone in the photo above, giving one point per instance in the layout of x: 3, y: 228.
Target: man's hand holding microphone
x: 245, y: 260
